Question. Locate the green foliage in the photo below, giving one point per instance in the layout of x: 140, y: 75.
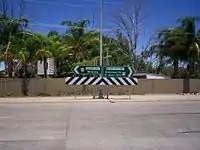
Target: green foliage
x: 178, y: 45
x: 77, y: 46
x: 23, y: 55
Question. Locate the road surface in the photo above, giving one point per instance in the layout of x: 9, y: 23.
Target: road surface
x: 100, y: 126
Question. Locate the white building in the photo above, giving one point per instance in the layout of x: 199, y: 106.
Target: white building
x: 50, y: 67
x: 2, y: 66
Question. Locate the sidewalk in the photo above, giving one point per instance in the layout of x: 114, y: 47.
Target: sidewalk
x: 114, y: 98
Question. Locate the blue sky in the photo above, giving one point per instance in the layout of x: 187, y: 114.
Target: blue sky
x: 46, y: 14
x: 157, y: 13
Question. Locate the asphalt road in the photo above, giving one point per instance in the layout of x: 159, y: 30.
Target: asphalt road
x: 100, y: 126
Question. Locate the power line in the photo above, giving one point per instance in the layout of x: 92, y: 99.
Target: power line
x: 47, y: 25
x: 62, y: 26
x: 56, y: 25
x: 69, y: 5
x: 105, y: 2
x: 176, y: 33
x: 54, y: 3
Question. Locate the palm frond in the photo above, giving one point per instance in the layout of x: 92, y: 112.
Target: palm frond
x: 23, y: 55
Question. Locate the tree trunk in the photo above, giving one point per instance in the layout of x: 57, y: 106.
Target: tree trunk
x: 45, y: 67
x: 57, y: 67
x: 36, y: 67
x: 175, y: 64
x: 191, y: 67
x: 24, y: 87
x: 8, y: 61
x: 159, y: 70
x: 10, y: 68
x: 9, y: 65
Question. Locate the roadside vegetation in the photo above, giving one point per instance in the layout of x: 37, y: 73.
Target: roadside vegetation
x: 172, y: 51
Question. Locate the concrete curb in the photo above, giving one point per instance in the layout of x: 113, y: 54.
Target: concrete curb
x: 134, y: 98
x: 75, y: 102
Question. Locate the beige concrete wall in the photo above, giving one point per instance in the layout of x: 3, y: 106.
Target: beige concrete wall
x: 194, y: 85
x: 57, y: 87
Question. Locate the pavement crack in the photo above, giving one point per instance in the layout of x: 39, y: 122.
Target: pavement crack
x: 68, y: 123
x: 67, y: 129
x: 31, y: 140
x: 189, y: 132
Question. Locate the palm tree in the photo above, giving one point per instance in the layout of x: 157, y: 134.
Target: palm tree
x: 42, y: 55
x: 23, y: 57
x: 180, y: 44
x: 191, y: 41
x: 40, y: 50
x: 59, y: 50
x: 170, y: 47
x: 12, y: 28
x: 83, y: 43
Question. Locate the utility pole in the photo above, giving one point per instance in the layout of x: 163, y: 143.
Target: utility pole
x: 107, y: 65
x: 101, y: 47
